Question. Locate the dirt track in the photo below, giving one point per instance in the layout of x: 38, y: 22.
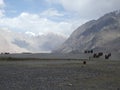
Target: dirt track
x: 71, y: 75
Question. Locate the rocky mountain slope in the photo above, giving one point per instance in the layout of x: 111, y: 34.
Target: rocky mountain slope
x: 102, y: 34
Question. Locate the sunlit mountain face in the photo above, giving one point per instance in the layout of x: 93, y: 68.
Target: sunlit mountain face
x: 18, y: 42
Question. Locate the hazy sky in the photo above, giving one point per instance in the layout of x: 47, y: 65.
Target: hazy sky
x: 57, y: 16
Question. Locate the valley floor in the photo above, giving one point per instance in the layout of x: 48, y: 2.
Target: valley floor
x: 60, y: 75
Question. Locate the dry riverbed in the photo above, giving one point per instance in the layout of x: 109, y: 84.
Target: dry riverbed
x: 60, y: 75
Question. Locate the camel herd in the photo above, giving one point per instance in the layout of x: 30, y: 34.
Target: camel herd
x: 98, y: 54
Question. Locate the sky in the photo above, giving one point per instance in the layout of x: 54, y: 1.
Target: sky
x: 56, y: 16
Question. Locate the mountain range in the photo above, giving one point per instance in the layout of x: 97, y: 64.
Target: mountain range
x: 102, y: 34
x: 15, y: 42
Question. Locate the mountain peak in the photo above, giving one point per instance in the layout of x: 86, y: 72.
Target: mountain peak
x: 101, y: 34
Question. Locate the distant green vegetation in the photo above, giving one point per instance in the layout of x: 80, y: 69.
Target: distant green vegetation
x: 16, y: 59
x: 27, y: 59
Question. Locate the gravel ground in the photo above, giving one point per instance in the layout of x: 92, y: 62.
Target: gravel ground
x: 95, y: 75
